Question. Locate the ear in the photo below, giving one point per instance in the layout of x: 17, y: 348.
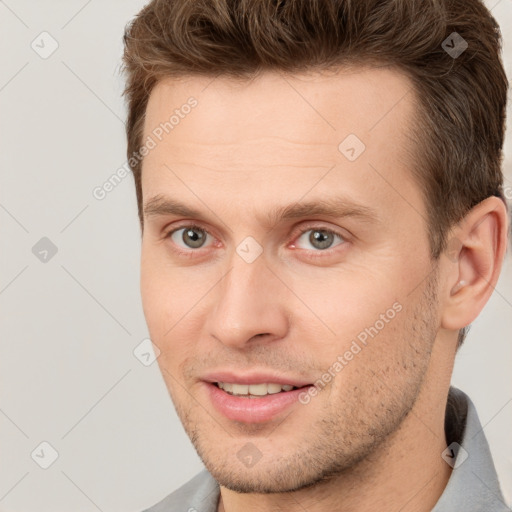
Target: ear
x: 472, y: 264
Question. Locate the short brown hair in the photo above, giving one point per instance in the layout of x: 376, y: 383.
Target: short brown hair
x: 462, y: 98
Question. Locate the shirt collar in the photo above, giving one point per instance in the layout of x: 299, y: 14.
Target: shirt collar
x: 473, y: 485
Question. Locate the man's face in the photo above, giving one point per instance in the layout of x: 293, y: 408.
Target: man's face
x: 241, y: 293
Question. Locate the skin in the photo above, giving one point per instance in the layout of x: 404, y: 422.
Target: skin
x: 373, y: 436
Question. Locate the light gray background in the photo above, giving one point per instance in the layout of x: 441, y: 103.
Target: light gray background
x: 68, y: 375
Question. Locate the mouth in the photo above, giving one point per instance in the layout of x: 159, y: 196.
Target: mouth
x: 254, y: 402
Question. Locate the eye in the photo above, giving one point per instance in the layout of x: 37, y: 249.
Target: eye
x: 193, y: 237
x: 319, y: 238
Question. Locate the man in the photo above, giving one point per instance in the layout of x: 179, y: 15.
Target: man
x: 320, y: 195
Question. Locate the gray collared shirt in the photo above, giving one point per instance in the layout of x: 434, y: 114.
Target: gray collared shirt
x: 473, y: 485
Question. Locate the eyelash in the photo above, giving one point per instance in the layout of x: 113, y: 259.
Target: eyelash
x: 313, y: 254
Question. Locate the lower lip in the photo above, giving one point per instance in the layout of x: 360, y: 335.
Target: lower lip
x: 252, y: 410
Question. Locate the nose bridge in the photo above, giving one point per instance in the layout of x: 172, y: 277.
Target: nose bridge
x: 247, y: 303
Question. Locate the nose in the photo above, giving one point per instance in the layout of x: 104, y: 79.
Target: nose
x: 248, y: 304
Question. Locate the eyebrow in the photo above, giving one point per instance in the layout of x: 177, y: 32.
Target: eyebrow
x: 336, y: 207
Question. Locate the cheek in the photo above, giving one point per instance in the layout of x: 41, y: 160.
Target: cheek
x: 160, y: 295
x: 171, y: 303
x: 162, y: 287
x: 152, y: 292
x: 343, y: 304
x: 365, y: 318
x: 371, y: 366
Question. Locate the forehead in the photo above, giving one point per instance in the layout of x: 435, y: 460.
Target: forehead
x: 281, y: 132
x: 305, y: 107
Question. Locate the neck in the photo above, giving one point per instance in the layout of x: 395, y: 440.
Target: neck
x: 405, y: 473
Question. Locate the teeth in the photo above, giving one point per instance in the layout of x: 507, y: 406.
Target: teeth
x: 254, y: 389
x: 274, y: 388
x: 240, y: 389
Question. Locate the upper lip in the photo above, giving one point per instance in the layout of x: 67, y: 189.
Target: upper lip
x: 253, y: 378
